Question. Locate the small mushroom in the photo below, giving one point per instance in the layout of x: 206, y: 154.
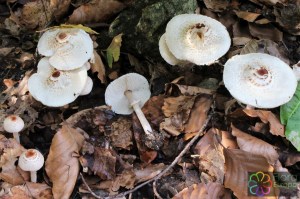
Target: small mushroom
x: 88, y: 86
x: 197, y: 38
x: 31, y: 160
x: 54, y: 87
x: 259, y: 80
x: 68, y: 48
x: 13, y: 124
x: 127, y: 93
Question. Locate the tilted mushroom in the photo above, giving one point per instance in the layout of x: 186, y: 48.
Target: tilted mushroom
x: 68, y: 48
x: 127, y: 93
x: 31, y: 160
x: 166, y: 53
x: 13, y: 124
x: 56, y: 87
x: 259, y: 80
x: 197, y: 38
x: 88, y: 86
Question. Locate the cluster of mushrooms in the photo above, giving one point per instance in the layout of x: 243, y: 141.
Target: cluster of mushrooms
x: 255, y: 79
x: 62, y: 74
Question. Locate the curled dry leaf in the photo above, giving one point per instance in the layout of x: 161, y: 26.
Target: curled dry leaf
x: 248, y: 16
x: 204, y: 191
x: 98, y: 66
x: 121, y: 133
x: 255, y: 146
x: 149, y: 172
x: 96, y: 11
x: 276, y: 128
x: 211, y: 159
x: 31, y: 190
x: 62, y: 165
x: 237, y: 165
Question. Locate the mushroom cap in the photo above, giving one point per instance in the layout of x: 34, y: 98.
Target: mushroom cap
x: 31, y: 160
x: 259, y: 80
x: 88, y: 86
x: 115, y: 92
x: 54, y: 87
x: 13, y: 124
x: 197, y: 38
x: 165, y: 52
x: 68, y: 48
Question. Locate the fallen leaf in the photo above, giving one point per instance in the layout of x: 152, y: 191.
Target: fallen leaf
x: 211, y: 158
x: 104, y: 163
x: 62, y: 165
x: 248, y: 16
x: 290, y: 158
x: 173, y: 89
x: 204, y: 191
x: 96, y: 11
x: 237, y: 165
x: 125, y: 179
x: 113, y: 50
x: 148, y: 172
x: 228, y: 141
x: 32, y: 190
x: 255, y: 146
x: 10, y: 173
x: 265, y: 31
x: 98, y: 66
x: 216, y: 5
x: 10, y: 150
x: 276, y: 128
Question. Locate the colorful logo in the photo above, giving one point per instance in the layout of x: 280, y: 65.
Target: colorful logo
x: 259, y: 184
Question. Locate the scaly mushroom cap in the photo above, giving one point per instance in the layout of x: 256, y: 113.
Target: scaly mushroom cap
x: 31, y: 160
x: 55, y: 87
x: 115, y: 92
x: 259, y: 80
x: 13, y: 124
x: 197, y: 38
x: 68, y: 48
x: 165, y: 52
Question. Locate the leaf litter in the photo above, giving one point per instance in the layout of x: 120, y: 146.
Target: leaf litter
x: 97, y: 153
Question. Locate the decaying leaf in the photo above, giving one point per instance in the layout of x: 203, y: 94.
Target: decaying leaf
x: 31, y: 190
x: 144, y: 174
x: 78, y: 26
x: 237, y: 165
x: 125, y: 179
x: 12, y: 175
x: 216, y: 5
x: 10, y: 150
x: 255, y: 146
x: 265, y: 31
x: 62, y: 165
x: 248, y: 16
x: 276, y: 128
x: 204, y: 191
x: 98, y: 66
x: 174, y: 89
x: 96, y: 11
x: 211, y: 158
x: 113, y: 50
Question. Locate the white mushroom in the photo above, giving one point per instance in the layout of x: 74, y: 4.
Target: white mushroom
x: 31, y: 160
x: 197, y: 38
x: 127, y: 93
x: 259, y: 80
x: 165, y: 52
x: 68, y: 48
x: 55, y: 87
x: 88, y: 86
x: 13, y: 124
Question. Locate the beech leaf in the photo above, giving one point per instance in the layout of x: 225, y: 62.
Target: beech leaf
x: 62, y: 165
x: 113, y: 50
x: 98, y: 66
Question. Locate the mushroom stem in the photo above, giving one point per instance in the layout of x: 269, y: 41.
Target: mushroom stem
x: 33, y: 177
x: 137, y: 109
x: 17, y: 137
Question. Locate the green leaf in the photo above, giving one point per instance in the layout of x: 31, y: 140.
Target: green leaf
x: 290, y: 116
x: 113, y: 50
x: 289, y: 109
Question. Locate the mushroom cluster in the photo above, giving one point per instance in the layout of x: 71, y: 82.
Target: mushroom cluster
x: 62, y: 74
x: 194, y: 38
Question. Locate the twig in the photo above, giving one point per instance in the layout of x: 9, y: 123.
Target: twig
x: 155, y: 191
x: 88, y: 187
x: 175, y: 161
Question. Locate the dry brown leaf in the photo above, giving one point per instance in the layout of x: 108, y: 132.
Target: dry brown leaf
x: 237, y: 165
x: 174, y: 89
x: 96, y: 11
x: 248, y: 16
x: 125, y: 179
x: 31, y: 190
x: 228, y: 141
x: 276, y: 128
x: 121, y: 133
x: 12, y: 175
x: 204, y: 191
x: 99, y: 67
x: 62, y: 165
x: 104, y: 163
x: 144, y: 174
x: 59, y: 8
x: 290, y: 158
x: 240, y: 41
x: 211, y: 158
x: 10, y: 150
x: 255, y: 146
x: 216, y: 5
x: 265, y: 31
